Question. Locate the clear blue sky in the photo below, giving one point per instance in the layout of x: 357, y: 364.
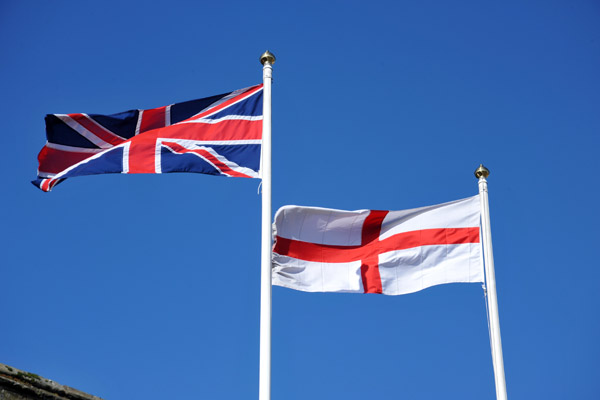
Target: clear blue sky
x: 147, y: 286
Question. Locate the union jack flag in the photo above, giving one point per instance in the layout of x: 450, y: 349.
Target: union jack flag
x: 218, y: 135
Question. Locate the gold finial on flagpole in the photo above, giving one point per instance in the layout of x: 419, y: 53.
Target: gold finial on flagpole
x: 482, y: 171
x: 267, y: 57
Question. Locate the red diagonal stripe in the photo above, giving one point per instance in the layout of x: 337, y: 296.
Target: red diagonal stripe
x: 97, y: 129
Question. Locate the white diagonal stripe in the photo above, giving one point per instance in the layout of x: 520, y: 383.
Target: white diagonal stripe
x: 206, y: 120
x: 224, y: 99
x: 230, y: 96
x: 102, y: 128
x: 139, y: 122
x: 168, y: 115
x: 83, y: 131
x: 232, y: 165
x: 62, y: 147
x: 190, y: 144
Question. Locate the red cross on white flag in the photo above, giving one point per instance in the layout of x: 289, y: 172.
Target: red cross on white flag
x: 389, y: 252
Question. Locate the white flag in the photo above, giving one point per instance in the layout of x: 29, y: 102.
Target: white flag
x: 370, y: 251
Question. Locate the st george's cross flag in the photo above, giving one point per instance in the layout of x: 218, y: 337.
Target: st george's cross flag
x: 369, y: 251
x: 218, y: 135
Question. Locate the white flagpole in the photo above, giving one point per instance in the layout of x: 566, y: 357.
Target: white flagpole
x: 492, y: 301
x: 264, y: 380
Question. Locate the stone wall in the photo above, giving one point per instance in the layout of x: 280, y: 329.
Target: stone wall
x: 20, y: 385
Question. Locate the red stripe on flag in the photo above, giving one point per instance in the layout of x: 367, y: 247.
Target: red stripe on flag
x: 153, y: 118
x: 231, y: 129
x: 369, y: 269
x: 142, y: 154
x: 342, y: 254
x: 97, y: 129
x: 143, y: 146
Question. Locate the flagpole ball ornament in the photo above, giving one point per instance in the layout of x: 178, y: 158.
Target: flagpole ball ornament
x: 267, y: 57
x: 482, y: 171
